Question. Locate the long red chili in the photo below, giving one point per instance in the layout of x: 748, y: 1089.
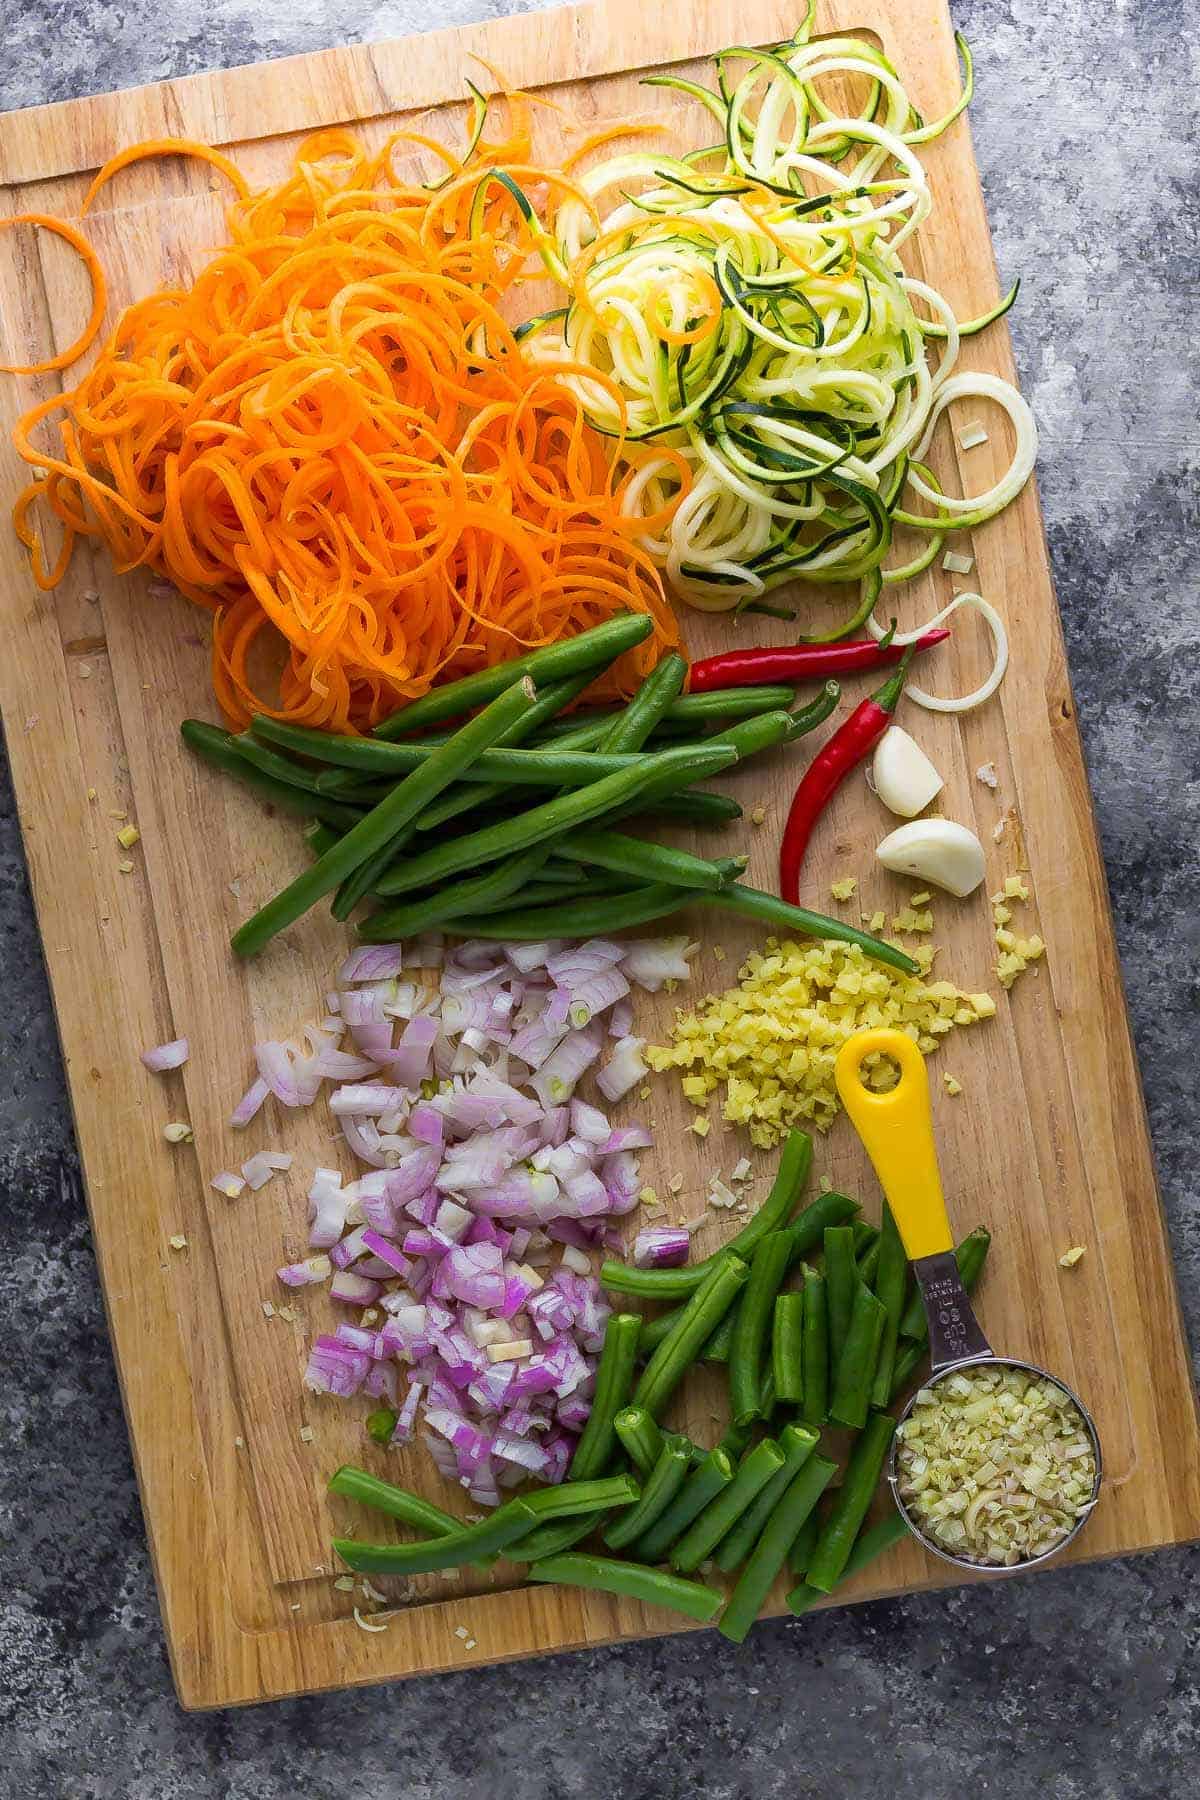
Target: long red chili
x: 800, y: 662
x: 850, y: 743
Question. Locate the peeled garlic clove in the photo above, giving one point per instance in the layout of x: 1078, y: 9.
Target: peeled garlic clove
x: 905, y: 779
x: 935, y: 850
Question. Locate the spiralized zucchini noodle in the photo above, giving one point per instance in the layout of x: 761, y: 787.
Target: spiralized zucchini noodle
x: 746, y: 306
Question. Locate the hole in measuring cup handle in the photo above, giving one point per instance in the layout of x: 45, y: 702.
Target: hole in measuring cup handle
x: 954, y: 1331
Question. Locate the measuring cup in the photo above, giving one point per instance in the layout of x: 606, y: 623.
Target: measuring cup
x: 897, y: 1130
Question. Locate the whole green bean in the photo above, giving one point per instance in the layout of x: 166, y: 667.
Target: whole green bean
x: 713, y: 1475
x: 358, y: 885
x: 382, y: 823
x: 640, y: 1437
x: 661, y: 1486
x: 787, y: 1347
x: 679, y: 1349
x: 269, y: 762
x: 549, y: 820
x: 752, y: 1326
x: 510, y: 1522
x: 614, y: 1372
x: 807, y: 718
x: 720, y: 1515
x: 592, y: 649
x: 495, y: 884
x: 797, y: 1443
x: 841, y: 1280
x: 647, y: 861
x: 891, y: 1278
x: 698, y: 807
x: 795, y: 1162
x: 970, y: 1256
x: 633, y: 725
x: 579, y: 916
x: 216, y: 747
x: 794, y: 1506
x: 854, y: 1376
x: 803, y: 1544
x: 769, y: 909
x: 500, y: 766
x: 696, y: 709
x: 815, y: 1407
x: 870, y: 1544
x: 853, y: 1498
x: 633, y: 1581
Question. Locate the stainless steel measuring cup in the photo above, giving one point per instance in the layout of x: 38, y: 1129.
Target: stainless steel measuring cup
x: 896, y: 1128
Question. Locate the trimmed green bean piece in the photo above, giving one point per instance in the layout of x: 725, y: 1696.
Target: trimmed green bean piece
x: 647, y: 861
x: 614, y: 1373
x: 797, y: 1443
x: 496, y: 883
x: 510, y: 1522
x: 216, y: 747
x: 850, y: 1504
x: 661, y: 1486
x: 854, y: 1377
x: 680, y: 1348
x: 804, y: 1543
x: 593, y: 649
x: 791, y: 1511
x: 864, y: 1236
x: 909, y: 1357
x: 382, y: 823
x: 795, y: 1161
x: 396, y: 1502
x: 787, y: 1347
x: 818, y: 709
x: 634, y: 1581
x: 552, y: 818
x: 870, y: 1544
x: 640, y: 1437
x: 633, y: 725
x: 752, y: 1327
x: 769, y: 909
x: 720, y: 1515
x: 868, y: 1264
x: 891, y: 1278
x: 719, y: 1347
x: 970, y: 1256
x: 841, y: 1279
x: 713, y: 1475
x: 815, y: 1407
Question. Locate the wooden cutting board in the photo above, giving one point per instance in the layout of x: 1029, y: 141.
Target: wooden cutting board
x: 1047, y: 1144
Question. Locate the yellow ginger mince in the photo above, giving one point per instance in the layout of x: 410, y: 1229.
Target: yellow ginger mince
x: 774, y: 1038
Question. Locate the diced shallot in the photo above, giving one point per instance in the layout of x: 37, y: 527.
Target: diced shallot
x: 661, y: 1247
x: 166, y: 1056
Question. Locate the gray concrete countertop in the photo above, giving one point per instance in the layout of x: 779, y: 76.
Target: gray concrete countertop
x: 1077, y: 1685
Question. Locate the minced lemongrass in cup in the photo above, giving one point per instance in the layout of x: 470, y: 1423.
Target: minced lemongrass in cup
x: 995, y: 1464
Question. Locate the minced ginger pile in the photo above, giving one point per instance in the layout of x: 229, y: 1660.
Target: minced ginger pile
x: 773, y: 1039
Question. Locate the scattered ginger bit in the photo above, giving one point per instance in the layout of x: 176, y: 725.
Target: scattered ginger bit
x: 1070, y: 1257
x: 953, y: 1087
x: 843, y: 888
x: 128, y: 836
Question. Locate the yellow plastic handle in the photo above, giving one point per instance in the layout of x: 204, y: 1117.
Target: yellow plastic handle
x: 897, y: 1130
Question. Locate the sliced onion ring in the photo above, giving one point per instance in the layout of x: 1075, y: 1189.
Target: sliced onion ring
x: 965, y: 702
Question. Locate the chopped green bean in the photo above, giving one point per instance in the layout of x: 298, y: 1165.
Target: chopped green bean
x: 797, y: 1443
x: 634, y: 1581
x: 870, y: 1544
x: 970, y: 1256
x: 787, y: 1347
x: 891, y: 1277
x: 640, y: 1437
x: 752, y: 1326
x: 713, y: 1475
x: 840, y: 1282
x: 804, y: 1543
x: 661, y: 1486
x: 815, y: 1408
x: 720, y: 1515
x: 851, y: 1502
x: 614, y: 1373
x: 680, y: 1348
x: 854, y: 1376
x: 793, y: 1508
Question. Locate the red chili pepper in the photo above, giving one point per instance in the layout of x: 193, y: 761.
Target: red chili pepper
x: 850, y: 743
x: 800, y: 662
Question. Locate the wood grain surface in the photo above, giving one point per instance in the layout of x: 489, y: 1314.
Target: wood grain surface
x: 1047, y: 1144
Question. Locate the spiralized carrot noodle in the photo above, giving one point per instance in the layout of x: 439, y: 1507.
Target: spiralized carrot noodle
x: 88, y: 335
x: 333, y: 440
